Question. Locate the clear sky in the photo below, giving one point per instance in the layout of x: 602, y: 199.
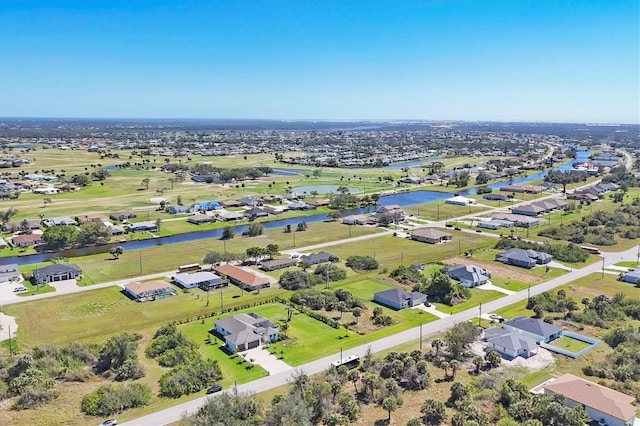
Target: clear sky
x: 520, y: 60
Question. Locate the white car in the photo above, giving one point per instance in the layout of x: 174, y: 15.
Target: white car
x: 19, y: 289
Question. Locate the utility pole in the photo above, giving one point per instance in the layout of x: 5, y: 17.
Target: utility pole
x: 10, y: 345
x: 207, y: 305
x: 528, y: 292
x: 421, y: 337
x: 220, y: 300
x: 479, y: 314
x: 294, y: 238
x: 459, y: 249
x: 140, y: 261
x: 603, y: 267
x: 438, y: 206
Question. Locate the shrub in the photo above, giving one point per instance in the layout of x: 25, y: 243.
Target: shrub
x: 362, y: 263
x: 110, y: 399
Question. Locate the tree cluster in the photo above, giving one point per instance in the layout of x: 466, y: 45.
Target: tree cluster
x: 441, y: 288
x: 119, y: 356
x: 110, y: 399
x: 362, y: 263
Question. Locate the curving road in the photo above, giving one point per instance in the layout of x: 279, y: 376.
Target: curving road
x: 174, y: 414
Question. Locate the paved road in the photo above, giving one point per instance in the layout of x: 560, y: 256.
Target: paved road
x: 174, y: 414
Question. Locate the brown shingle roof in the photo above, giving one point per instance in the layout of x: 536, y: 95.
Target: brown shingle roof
x: 248, y: 278
x: 589, y: 394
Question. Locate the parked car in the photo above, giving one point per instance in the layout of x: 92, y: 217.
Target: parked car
x: 496, y: 317
x: 19, y: 289
x: 110, y: 422
x: 457, y: 228
x: 214, y: 389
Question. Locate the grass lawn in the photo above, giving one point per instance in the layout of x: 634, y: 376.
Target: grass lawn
x: 570, y: 344
x: 628, y: 264
x: 391, y: 251
x: 477, y: 297
x: 511, y: 311
x: 594, y: 284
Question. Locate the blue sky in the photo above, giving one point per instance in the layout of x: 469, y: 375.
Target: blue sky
x: 301, y: 59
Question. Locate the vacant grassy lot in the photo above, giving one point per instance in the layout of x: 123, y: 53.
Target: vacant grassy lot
x: 477, y: 297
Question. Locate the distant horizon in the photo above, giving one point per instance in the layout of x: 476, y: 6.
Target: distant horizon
x: 326, y: 120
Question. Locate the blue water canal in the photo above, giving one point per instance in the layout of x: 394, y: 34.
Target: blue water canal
x: 404, y: 199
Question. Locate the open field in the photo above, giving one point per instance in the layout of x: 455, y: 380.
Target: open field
x: 388, y: 249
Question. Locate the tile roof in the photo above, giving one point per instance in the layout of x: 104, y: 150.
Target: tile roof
x: 589, y: 394
x: 248, y: 278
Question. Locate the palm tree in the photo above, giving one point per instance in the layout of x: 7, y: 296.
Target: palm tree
x: 390, y: 404
x: 454, y: 364
x: 478, y: 361
x: 300, y: 380
x: 357, y: 312
x: 354, y: 376
x: 445, y: 367
x: 437, y: 344
x: 284, y: 326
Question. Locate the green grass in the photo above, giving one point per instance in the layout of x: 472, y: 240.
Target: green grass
x: 628, y: 264
x: 477, y: 297
x: 570, y: 344
x: 514, y: 310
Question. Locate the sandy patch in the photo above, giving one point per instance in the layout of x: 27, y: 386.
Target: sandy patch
x: 7, y: 322
x: 157, y: 200
x: 498, y: 269
x: 537, y: 362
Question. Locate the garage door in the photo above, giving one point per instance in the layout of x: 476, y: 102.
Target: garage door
x: 253, y: 344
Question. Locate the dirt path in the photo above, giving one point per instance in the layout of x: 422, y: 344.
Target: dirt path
x: 498, y: 269
x: 7, y: 322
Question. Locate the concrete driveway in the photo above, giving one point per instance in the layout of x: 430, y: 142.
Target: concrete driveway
x: 262, y: 357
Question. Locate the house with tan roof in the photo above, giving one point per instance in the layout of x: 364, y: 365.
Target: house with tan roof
x: 242, y: 278
x: 149, y: 290
x: 431, y: 236
x: 604, y: 405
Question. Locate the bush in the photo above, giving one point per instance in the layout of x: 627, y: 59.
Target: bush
x: 110, y: 399
x: 330, y: 272
x: 297, y: 280
x: 362, y: 263
x: 189, y: 378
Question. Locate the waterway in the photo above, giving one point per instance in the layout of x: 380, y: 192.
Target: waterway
x: 403, y: 199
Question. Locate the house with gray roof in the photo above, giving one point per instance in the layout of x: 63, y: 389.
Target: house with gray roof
x: 316, y: 258
x: 524, y: 258
x: 537, y: 330
x: 246, y: 331
x: 468, y: 275
x: 61, y: 220
x: 9, y: 272
x: 56, y: 272
x: 399, y: 299
x: 202, y: 279
x: 510, y: 344
x: 255, y: 213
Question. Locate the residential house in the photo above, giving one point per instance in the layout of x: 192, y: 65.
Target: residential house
x: 56, y: 272
x: 200, y: 218
x: 232, y: 203
x: 255, y: 212
x: 355, y: 219
x: 316, y: 258
x: 524, y: 258
x: 604, y: 405
x: 142, y: 226
x: 3, y: 243
x: 242, y: 278
x: 179, y: 209
x: 301, y: 205
x: 246, y: 331
x: 528, y: 189
x: 394, y: 210
x: 26, y: 240
x: 207, y: 206
x: 518, y: 220
x: 395, y: 298
x: 495, y: 197
x: 468, y: 275
x: 9, y: 272
x: 30, y: 224
x: 272, y: 265
x: 231, y: 216
x: 202, y: 279
x: 149, y: 290
x: 57, y: 221
x: 537, y: 330
x: 494, y: 224
x: 251, y: 201
x: 460, y: 201
x: 431, y: 236
x: 509, y: 344
x: 528, y: 210
x: 122, y: 215
x: 632, y: 277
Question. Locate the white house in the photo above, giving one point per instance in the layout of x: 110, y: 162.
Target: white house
x: 460, y: 201
x: 602, y: 404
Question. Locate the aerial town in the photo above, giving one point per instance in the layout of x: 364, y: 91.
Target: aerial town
x: 440, y: 273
